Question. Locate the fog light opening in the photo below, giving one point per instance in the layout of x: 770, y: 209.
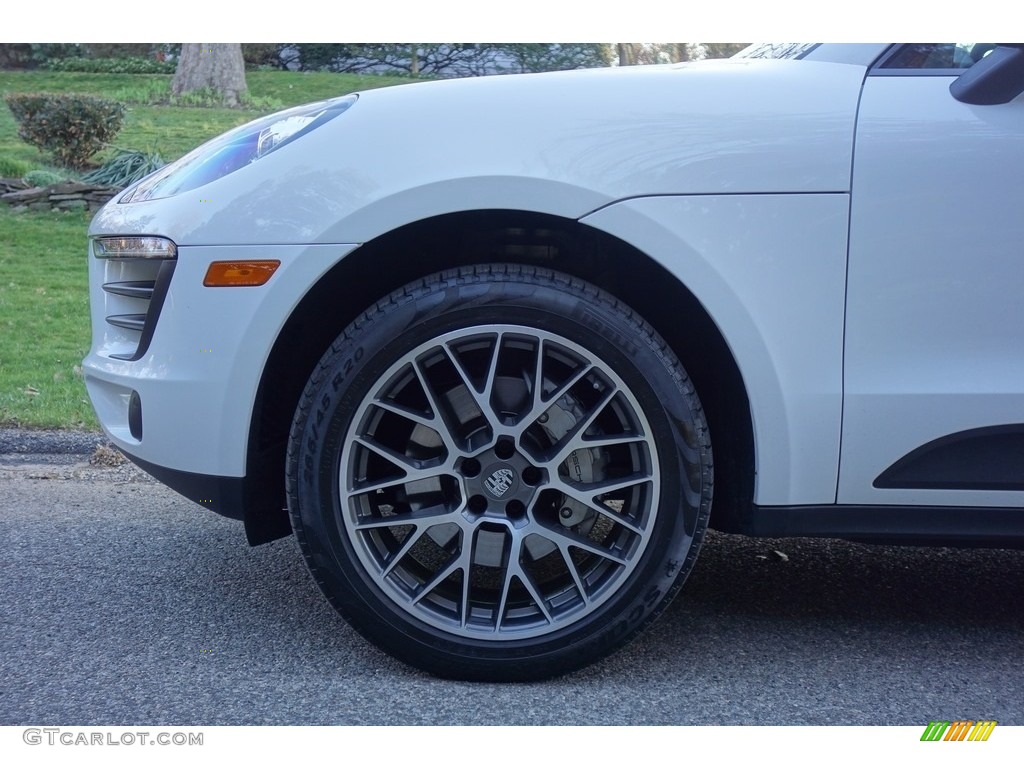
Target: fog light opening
x: 135, y: 415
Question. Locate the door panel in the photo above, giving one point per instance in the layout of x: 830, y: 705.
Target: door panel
x: 935, y: 299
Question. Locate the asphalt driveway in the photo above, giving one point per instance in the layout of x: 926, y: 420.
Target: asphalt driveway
x: 123, y: 603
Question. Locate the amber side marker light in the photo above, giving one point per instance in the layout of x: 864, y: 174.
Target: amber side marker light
x: 229, y: 274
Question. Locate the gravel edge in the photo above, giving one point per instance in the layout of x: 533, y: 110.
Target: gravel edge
x: 50, y: 441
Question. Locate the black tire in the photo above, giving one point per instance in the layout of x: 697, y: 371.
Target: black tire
x: 479, y: 527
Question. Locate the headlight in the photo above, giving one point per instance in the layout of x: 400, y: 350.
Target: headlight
x: 134, y: 248
x: 237, y: 148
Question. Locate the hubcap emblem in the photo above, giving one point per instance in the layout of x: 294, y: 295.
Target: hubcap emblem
x: 499, y: 482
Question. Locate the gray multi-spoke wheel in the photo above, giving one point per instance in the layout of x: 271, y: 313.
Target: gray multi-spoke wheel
x: 500, y: 482
x: 499, y: 473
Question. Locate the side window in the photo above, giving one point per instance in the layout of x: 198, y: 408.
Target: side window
x: 956, y: 56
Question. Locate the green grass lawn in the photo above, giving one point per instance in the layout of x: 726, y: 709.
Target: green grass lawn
x: 44, y: 320
x: 44, y: 315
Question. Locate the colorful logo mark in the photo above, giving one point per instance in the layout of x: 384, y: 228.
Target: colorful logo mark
x: 959, y: 730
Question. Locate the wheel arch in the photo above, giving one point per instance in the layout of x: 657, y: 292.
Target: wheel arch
x: 452, y: 240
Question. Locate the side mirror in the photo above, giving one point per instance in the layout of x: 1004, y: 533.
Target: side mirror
x: 997, y: 78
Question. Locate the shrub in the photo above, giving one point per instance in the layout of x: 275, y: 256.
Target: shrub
x: 72, y: 126
x: 124, y: 50
x: 126, y: 65
x: 126, y: 167
x: 262, y: 55
x: 11, y: 168
x: 41, y: 178
x: 15, y: 55
x: 43, y: 51
x: 31, y: 55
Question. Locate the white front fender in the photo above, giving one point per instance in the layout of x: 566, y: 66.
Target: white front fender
x: 771, y: 271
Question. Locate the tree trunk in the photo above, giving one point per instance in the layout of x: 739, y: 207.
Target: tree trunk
x: 219, y: 66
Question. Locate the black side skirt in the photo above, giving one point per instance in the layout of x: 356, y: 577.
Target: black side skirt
x: 925, y: 526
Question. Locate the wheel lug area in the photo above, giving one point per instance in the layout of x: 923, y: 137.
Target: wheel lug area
x: 505, y: 448
x: 515, y: 510
x: 500, y: 483
x: 532, y: 475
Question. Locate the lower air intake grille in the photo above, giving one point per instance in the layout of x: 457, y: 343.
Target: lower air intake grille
x: 135, y: 289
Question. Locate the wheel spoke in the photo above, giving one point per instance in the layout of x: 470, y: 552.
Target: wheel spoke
x: 572, y: 439
x: 574, y: 572
x: 506, y: 586
x: 410, y: 541
x: 482, y: 399
x: 433, y: 422
x: 378, y: 485
x: 515, y: 571
x: 437, y: 514
x: 442, y: 424
x: 605, y: 442
x: 538, y: 384
x: 512, y: 555
x: 413, y: 472
x: 408, y: 465
x: 601, y: 509
x: 540, y: 405
x: 607, y: 486
x: 457, y: 562
x: 526, y: 581
x: 575, y: 540
x: 464, y: 612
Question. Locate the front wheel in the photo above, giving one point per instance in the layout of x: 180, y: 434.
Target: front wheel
x: 499, y: 473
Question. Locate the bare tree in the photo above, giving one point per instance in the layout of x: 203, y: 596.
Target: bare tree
x: 219, y: 66
x: 447, y: 59
x: 721, y: 50
x: 549, y: 57
x: 627, y: 53
x: 652, y: 53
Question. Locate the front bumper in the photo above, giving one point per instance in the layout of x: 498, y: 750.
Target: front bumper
x: 188, y: 397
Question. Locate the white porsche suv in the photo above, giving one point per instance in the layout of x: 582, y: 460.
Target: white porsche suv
x: 486, y: 346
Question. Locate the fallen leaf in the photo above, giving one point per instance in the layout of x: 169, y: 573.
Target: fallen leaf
x: 107, y: 456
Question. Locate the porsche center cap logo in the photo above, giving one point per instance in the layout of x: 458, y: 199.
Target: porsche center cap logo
x: 499, y: 482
